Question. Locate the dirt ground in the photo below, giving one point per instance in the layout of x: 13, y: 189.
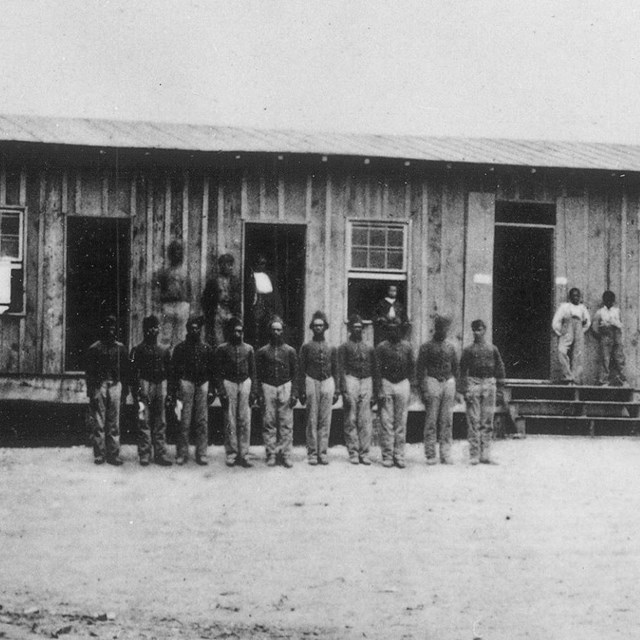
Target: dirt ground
x: 544, y: 545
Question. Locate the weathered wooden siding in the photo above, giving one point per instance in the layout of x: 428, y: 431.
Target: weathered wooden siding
x: 204, y: 205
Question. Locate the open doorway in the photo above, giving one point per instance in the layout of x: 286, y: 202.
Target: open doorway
x: 97, y: 282
x: 523, y: 288
x: 284, y: 249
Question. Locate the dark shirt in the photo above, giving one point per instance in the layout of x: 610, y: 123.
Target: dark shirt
x: 480, y: 361
x: 383, y: 311
x: 394, y: 361
x: 235, y: 363
x: 277, y: 364
x: 318, y: 361
x: 192, y: 361
x: 106, y: 361
x: 149, y: 362
x: 355, y: 359
x: 436, y: 359
x: 223, y: 291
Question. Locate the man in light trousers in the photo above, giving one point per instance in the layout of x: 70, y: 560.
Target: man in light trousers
x: 356, y: 366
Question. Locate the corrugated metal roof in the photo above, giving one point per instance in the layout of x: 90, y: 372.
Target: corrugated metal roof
x: 189, y: 137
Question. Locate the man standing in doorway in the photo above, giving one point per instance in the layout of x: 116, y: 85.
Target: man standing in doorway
x: 262, y: 301
x: 356, y: 366
x: 150, y: 364
x: 236, y: 386
x: 277, y: 373
x: 395, y: 375
x: 481, y: 374
x: 570, y: 322
x: 192, y: 374
x: 108, y: 378
x: 318, y: 388
x: 436, y: 372
x: 221, y: 300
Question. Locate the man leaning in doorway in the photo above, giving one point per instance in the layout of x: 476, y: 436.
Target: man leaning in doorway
x: 570, y: 322
x: 262, y: 301
x: 107, y: 376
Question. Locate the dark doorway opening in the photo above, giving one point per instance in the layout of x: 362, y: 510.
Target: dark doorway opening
x: 522, y: 299
x: 284, y: 248
x: 97, y: 282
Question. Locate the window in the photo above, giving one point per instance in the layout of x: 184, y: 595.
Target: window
x: 11, y: 260
x: 377, y: 258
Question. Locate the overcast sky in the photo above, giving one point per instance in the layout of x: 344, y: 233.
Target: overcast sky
x: 568, y: 69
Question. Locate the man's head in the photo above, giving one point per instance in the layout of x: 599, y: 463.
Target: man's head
x: 276, y: 330
x: 608, y: 299
x: 235, y: 330
x: 319, y: 324
x: 175, y: 253
x: 355, y: 327
x: 441, y: 326
x: 479, y: 328
x: 260, y: 264
x: 150, y: 328
x: 574, y: 296
x: 109, y: 328
x: 392, y: 291
x: 225, y: 264
x: 194, y: 325
x: 393, y: 330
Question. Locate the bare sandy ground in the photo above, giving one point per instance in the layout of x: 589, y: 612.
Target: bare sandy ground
x: 544, y: 545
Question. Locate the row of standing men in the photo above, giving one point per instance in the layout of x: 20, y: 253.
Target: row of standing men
x: 276, y: 378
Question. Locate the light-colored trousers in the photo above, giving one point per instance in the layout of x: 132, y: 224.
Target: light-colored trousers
x: 439, y: 401
x: 393, y: 418
x: 357, y: 415
x: 194, y: 400
x: 153, y: 426
x: 571, y: 350
x: 318, y: 414
x: 173, y: 323
x: 612, y: 360
x: 481, y: 400
x: 237, y: 419
x: 105, y: 409
x: 277, y: 425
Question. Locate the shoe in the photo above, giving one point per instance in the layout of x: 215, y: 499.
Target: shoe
x: 487, y: 461
x: 116, y: 461
x: 271, y: 462
x: 230, y: 462
x: 244, y: 463
x: 203, y: 462
x: 432, y: 461
x: 473, y: 460
x: 144, y: 462
x: 312, y: 461
x: 286, y: 463
x: 400, y: 464
x: 365, y: 460
x: 354, y: 460
x: 163, y: 462
x: 98, y: 460
x: 323, y: 460
x: 387, y: 463
x: 181, y: 460
x: 446, y: 461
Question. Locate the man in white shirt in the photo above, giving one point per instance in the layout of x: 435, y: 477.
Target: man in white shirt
x: 607, y: 327
x: 262, y: 302
x: 570, y: 322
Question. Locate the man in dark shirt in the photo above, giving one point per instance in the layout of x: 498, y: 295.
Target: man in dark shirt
x: 150, y: 365
x: 221, y: 300
x: 107, y: 376
x: 235, y: 368
x: 277, y: 373
x: 436, y: 373
x: 318, y: 388
x: 388, y: 309
x: 356, y: 366
x: 191, y: 373
x: 395, y: 375
x: 481, y: 371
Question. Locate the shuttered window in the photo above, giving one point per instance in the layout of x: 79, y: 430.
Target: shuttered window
x: 11, y: 260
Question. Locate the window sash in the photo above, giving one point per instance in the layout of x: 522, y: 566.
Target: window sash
x: 377, y: 247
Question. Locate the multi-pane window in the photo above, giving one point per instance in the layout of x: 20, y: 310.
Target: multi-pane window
x: 377, y: 257
x: 11, y: 260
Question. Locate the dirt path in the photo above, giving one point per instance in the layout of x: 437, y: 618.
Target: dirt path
x: 545, y: 545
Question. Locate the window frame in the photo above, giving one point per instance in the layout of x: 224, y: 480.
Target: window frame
x: 18, y: 263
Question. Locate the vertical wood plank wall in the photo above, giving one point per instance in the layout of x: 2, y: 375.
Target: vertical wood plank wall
x: 596, y: 237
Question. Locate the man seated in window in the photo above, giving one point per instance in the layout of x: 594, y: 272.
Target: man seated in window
x: 387, y: 310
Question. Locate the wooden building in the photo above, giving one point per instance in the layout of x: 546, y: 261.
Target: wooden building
x: 491, y: 229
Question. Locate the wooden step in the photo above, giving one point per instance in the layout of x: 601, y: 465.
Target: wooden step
x: 581, y: 425
x: 596, y: 408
